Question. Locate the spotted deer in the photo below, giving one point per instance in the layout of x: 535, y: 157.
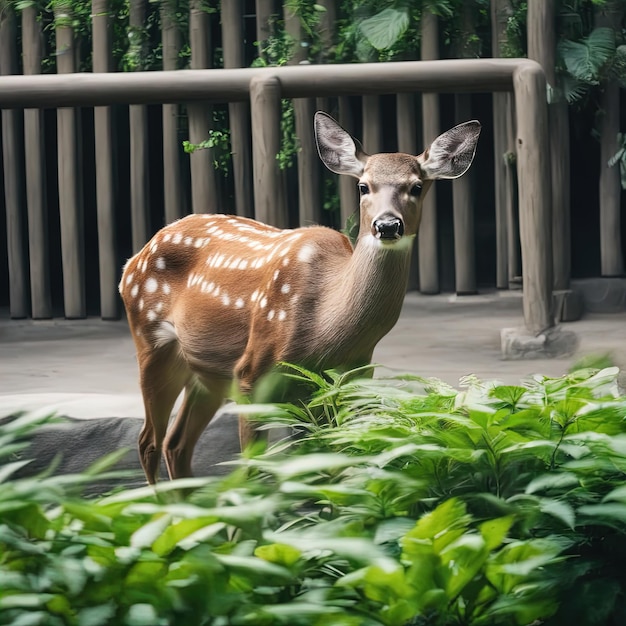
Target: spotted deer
x: 216, y: 298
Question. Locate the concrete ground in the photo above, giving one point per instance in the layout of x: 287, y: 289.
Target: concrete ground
x: 87, y: 368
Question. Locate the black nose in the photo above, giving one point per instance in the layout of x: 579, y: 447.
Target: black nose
x: 388, y: 227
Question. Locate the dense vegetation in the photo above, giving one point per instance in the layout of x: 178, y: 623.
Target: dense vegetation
x: 403, y: 501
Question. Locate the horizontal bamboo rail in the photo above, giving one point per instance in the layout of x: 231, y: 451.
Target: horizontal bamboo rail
x: 524, y: 77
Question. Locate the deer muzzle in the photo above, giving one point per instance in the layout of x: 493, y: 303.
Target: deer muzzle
x: 388, y: 227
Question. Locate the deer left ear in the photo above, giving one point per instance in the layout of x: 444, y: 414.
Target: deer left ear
x: 451, y: 154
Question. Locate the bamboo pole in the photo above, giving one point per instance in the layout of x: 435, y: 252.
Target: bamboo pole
x: 238, y: 112
x: 265, y: 10
x: 38, y: 242
x: 427, y: 236
x: 13, y: 159
x: 69, y: 174
x: 309, y: 196
x: 138, y: 123
x: 172, y: 182
x: 269, y: 195
x: 105, y: 186
x: 204, y: 187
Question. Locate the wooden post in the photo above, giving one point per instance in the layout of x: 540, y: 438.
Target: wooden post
x: 38, y: 242
x: 534, y: 196
x: 172, y: 183
x: 611, y: 256
x: 514, y: 259
x: 269, y: 196
x: 406, y: 132
x: 500, y: 12
x: 265, y: 9
x: 70, y: 176
x: 372, y: 130
x: 427, y: 237
x: 105, y: 187
x: 204, y: 188
x: 463, y: 212
x: 348, y: 194
x: 238, y: 112
x: 542, y: 48
x: 138, y: 122
x: 13, y: 161
x: 309, y: 192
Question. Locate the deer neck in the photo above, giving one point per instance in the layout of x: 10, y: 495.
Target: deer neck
x: 363, y: 299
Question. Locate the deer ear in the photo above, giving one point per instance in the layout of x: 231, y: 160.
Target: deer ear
x: 340, y: 152
x: 451, y: 154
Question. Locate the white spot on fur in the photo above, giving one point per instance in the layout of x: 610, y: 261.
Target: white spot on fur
x: 286, y: 261
x: 140, y: 304
x: 286, y: 288
x: 151, y: 285
x: 160, y: 263
x: 129, y: 278
x: 159, y: 307
x: 276, y: 273
x: 134, y: 291
x: 225, y: 299
x: 239, y: 303
x: 166, y: 289
x: 254, y: 296
x: 306, y: 253
x: 178, y: 237
x: 167, y: 237
x: 198, y: 242
x: 188, y: 241
x: 151, y: 315
x: 270, y: 315
x: 263, y: 302
x: 163, y: 334
x: 282, y: 315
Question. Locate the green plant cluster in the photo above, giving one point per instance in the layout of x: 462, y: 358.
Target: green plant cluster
x: 402, y: 501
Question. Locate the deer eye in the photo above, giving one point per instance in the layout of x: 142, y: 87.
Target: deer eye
x: 363, y: 189
x: 416, y: 190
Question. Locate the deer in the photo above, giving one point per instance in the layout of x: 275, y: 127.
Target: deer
x: 213, y: 300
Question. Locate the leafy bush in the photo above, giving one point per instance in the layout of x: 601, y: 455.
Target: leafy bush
x: 401, y: 501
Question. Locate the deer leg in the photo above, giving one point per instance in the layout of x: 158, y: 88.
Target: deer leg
x: 200, y: 404
x: 160, y: 386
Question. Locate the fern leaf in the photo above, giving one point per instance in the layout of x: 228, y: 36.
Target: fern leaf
x: 585, y: 59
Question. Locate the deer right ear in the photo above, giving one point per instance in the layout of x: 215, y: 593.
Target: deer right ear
x: 340, y: 152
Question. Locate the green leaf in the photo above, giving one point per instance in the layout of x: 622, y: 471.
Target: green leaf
x: 279, y: 553
x: 385, y: 28
x: 494, y: 531
x: 145, y: 536
x: 585, y: 59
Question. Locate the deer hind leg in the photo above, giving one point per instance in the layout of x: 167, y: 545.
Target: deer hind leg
x: 161, y: 383
x: 201, y: 402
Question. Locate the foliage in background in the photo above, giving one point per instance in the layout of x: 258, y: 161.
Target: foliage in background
x: 403, y: 501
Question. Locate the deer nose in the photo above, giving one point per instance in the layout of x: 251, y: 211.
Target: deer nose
x: 388, y: 227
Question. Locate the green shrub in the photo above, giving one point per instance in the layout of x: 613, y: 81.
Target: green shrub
x: 402, y: 501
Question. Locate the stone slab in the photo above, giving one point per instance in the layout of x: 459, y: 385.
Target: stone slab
x: 518, y: 343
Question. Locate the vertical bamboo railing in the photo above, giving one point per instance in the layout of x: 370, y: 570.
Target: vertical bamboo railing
x: 70, y: 176
x: 138, y: 123
x: 13, y: 160
x: 427, y: 237
x: 348, y: 196
x: 238, y: 112
x: 172, y: 181
x: 105, y: 186
x: 269, y: 196
x: 406, y: 132
x: 309, y: 196
x: 204, y: 188
x: 36, y: 199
